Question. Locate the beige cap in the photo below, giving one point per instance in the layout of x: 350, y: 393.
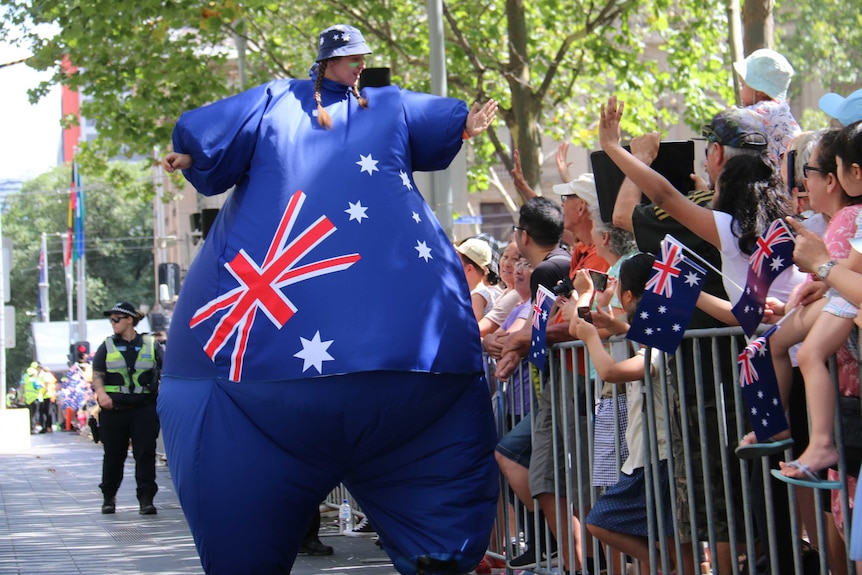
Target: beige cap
x: 584, y: 186
x: 476, y: 251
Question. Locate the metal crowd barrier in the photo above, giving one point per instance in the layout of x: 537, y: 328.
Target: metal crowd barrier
x: 701, y: 383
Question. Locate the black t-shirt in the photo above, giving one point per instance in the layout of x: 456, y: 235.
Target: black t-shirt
x: 553, y: 269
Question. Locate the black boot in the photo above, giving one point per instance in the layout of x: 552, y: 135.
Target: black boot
x: 109, y: 505
x: 147, y: 507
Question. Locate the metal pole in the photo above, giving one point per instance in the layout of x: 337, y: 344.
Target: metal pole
x: 2, y: 319
x: 67, y: 269
x: 82, y: 275
x: 43, y: 280
x: 441, y: 182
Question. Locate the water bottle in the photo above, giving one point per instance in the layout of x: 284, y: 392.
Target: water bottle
x: 345, y: 517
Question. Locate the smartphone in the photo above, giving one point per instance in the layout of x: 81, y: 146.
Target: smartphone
x: 600, y: 280
x: 584, y: 314
x: 791, y: 171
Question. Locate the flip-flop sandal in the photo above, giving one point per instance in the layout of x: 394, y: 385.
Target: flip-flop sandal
x: 811, y: 479
x: 762, y: 449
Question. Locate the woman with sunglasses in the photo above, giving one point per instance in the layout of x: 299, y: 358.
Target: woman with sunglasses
x: 126, y: 370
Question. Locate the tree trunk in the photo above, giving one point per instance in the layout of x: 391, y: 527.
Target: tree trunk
x: 758, y: 26
x: 524, y: 129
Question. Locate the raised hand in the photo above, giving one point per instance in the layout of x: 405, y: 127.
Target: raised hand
x: 480, y: 119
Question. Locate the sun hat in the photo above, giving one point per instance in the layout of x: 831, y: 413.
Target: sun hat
x: 341, y: 40
x: 766, y: 71
x: 846, y: 110
x: 737, y: 128
x: 584, y: 186
x: 476, y: 251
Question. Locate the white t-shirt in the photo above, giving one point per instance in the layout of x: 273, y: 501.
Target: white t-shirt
x: 734, y: 264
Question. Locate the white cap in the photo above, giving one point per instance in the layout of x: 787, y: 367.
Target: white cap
x: 584, y: 186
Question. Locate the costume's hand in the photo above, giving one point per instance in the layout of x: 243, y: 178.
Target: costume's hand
x: 480, y: 119
x: 175, y: 161
x: 810, y: 251
x: 645, y: 147
x: 563, y: 163
x: 609, y: 125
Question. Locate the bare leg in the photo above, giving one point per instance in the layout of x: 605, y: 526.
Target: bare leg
x: 548, y: 505
x: 826, y: 336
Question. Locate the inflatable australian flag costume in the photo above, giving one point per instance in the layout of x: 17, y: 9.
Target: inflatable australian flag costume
x: 324, y: 332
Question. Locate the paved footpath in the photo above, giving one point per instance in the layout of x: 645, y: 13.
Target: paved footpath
x: 51, y: 524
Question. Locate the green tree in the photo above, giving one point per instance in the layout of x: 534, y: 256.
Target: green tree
x: 549, y: 63
x: 119, y: 242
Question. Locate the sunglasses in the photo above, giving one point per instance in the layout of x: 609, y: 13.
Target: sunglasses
x: 118, y: 319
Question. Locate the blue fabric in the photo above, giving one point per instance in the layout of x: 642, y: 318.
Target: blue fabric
x: 324, y: 333
x: 251, y: 462
x: 397, y: 298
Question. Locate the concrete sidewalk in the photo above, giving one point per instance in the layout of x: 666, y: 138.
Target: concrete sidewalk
x: 50, y: 521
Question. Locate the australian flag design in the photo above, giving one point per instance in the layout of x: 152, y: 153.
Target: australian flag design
x: 760, y: 388
x: 669, y: 299
x: 541, y: 309
x: 773, y: 254
x: 325, y: 259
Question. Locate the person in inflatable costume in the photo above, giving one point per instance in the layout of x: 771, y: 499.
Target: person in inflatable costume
x: 324, y: 332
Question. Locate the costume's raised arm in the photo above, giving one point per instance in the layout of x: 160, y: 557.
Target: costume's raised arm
x: 221, y: 139
x: 435, y: 128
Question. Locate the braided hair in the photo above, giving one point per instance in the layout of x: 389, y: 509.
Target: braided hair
x: 323, y: 117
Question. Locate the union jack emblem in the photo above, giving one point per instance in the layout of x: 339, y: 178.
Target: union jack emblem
x: 777, y: 233
x: 665, y: 268
x: 260, y: 287
x: 539, y: 308
x: 747, y: 371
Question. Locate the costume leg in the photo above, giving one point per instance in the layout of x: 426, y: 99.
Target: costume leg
x: 250, y: 463
x: 431, y: 492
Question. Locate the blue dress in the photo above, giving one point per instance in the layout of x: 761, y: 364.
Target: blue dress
x: 324, y: 333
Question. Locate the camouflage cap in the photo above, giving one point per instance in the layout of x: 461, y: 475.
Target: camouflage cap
x: 738, y: 128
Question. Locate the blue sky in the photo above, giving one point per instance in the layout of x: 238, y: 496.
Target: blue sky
x: 31, y: 133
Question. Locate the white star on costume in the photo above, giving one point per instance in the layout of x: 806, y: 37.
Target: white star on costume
x: 416, y: 218
x: 356, y: 211
x: 777, y: 263
x: 662, y: 309
x: 692, y: 279
x: 424, y: 250
x: 314, y: 353
x: 405, y: 180
x: 368, y: 164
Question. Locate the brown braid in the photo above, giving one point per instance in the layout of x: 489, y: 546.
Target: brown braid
x: 362, y: 101
x: 323, y: 117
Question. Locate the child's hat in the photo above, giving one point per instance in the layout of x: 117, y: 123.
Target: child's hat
x: 766, y: 71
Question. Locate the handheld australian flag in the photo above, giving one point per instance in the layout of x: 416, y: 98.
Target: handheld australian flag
x: 541, y: 309
x: 669, y: 299
x: 773, y: 255
x: 760, y: 388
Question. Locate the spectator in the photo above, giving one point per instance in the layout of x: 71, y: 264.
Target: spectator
x: 845, y: 111
x: 48, y: 406
x: 538, y: 233
x: 619, y: 518
x: 34, y: 393
x: 732, y: 132
x: 507, y: 300
x: 765, y: 76
x: 476, y: 259
x: 126, y: 370
x: 311, y: 544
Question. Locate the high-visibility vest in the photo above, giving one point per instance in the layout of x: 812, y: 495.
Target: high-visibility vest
x: 118, y: 379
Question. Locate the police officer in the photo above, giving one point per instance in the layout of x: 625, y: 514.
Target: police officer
x: 126, y: 370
